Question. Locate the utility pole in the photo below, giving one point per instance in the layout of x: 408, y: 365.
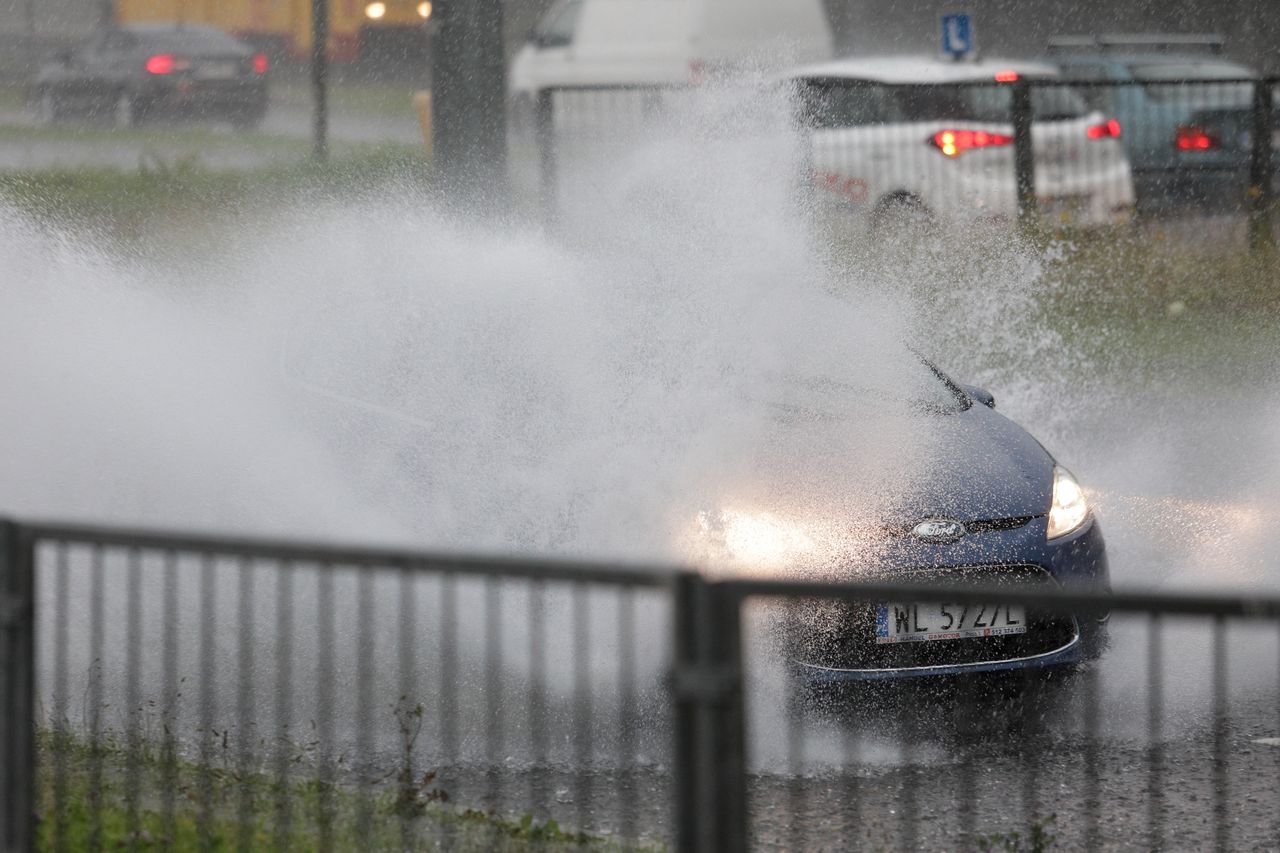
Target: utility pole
x: 320, y: 78
x: 468, y: 99
x: 108, y: 13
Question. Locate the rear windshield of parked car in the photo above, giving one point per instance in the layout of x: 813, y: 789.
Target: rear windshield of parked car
x: 1167, y: 82
x: 838, y: 103
x: 192, y: 40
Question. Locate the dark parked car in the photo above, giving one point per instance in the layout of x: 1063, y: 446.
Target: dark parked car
x: 133, y: 73
x: 1185, y: 112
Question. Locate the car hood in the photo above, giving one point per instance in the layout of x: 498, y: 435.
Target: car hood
x: 981, y: 467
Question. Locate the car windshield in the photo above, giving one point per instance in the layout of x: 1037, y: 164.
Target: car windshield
x: 1166, y: 82
x: 188, y: 40
x: 1048, y: 103
x: 820, y: 398
x: 853, y: 103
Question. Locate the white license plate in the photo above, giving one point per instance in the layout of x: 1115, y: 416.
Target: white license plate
x: 218, y: 71
x: 925, y: 622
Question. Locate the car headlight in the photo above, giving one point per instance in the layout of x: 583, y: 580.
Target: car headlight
x: 1069, y: 508
x: 424, y: 10
x: 375, y: 10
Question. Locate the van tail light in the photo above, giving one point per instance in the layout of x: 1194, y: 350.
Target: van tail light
x: 1007, y: 77
x: 1195, y: 138
x: 1110, y: 129
x: 260, y: 63
x: 953, y: 143
x: 161, y: 63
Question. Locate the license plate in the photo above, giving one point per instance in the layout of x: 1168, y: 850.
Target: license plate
x: 926, y: 622
x: 218, y: 71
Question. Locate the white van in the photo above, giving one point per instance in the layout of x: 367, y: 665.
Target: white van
x: 665, y: 42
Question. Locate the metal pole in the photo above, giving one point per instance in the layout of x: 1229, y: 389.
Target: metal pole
x: 320, y: 77
x: 548, y: 178
x: 710, y: 739
x: 1260, y: 168
x: 1023, y: 154
x: 29, y: 27
x: 468, y: 99
x: 17, y: 681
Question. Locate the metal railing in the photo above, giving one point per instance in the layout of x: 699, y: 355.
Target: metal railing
x: 1165, y: 149
x: 185, y: 688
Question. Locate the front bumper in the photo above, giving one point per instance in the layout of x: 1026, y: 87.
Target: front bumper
x: 833, y: 643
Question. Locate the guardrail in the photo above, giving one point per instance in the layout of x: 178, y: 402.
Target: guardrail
x: 1165, y: 148
x: 276, y: 694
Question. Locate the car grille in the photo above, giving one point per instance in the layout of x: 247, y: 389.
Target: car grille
x: 841, y: 635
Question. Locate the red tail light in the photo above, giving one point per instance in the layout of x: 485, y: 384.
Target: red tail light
x: 1193, y: 138
x: 953, y: 143
x: 260, y: 63
x: 1109, y: 129
x: 1006, y: 76
x: 161, y: 63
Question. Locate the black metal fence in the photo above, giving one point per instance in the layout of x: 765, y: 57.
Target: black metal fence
x: 1046, y: 153
x: 179, y: 690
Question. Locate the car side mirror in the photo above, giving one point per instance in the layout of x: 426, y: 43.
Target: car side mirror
x: 980, y: 395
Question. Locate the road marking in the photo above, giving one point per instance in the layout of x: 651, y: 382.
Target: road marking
x: 1268, y: 741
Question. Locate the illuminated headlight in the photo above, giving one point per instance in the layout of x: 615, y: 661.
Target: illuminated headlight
x: 424, y: 10
x: 1069, y: 509
x: 752, y: 542
x: 375, y: 10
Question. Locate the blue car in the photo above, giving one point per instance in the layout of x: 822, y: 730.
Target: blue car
x: 996, y: 509
x: 1186, y: 118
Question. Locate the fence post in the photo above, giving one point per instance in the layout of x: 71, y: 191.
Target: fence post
x: 17, y: 683
x: 1260, y: 166
x: 320, y: 78
x: 544, y: 132
x: 1023, y: 154
x: 710, y: 738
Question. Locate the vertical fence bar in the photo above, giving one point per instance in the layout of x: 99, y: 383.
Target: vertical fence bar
x: 365, y: 651
x: 1260, y: 168
x: 689, y: 808
x: 493, y: 692
x: 537, y: 700
x: 447, y: 698
x: 324, y: 703
x: 548, y: 165
x: 169, y: 651
x: 582, y: 704
x: 59, y: 725
x: 133, y: 694
x: 17, y: 657
x: 626, y: 713
x: 1155, y: 736
x: 710, y: 737
x: 1221, y: 790
x: 244, y: 703
x: 410, y: 707
x: 208, y: 696
x: 284, y: 705
x: 1023, y: 154
x: 96, y: 586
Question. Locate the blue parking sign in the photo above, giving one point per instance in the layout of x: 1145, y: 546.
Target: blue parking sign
x: 957, y: 35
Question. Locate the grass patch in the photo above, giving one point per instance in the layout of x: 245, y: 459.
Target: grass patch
x: 372, y: 100
x: 85, y: 801
x: 173, y: 202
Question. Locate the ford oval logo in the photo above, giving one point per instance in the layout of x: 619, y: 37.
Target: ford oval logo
x: 938, y: 530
